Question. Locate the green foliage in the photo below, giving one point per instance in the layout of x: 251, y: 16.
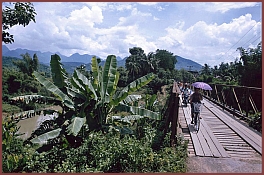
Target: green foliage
x: 122, y: 82
x: 14, y: 154
x: 19, y: 14
x: 109, y: 153
x: 256, y: 121
x: 161, y: 63
x: 166, y: 59
x: 27, y: 65
x: 59, y: 76
x: 8, y: 63
x: 20, y: 81
x: 251, y: 67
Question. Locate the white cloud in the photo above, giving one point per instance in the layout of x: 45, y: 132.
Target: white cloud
x: 86, y: 16
x: 148, y: 3
x: 226, y: 6
x: 120, y: 6
x: 155, y: 18
x: 135, y: 17
x: 199, y: 39
x: 159, y: 8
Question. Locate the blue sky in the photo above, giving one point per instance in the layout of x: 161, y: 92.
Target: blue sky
x: 205, y: 32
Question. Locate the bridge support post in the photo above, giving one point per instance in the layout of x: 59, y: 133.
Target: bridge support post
x: 174, y: 124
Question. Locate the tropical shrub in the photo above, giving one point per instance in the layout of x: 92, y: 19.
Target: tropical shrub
x: 89, y: 103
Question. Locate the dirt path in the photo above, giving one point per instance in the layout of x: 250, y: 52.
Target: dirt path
x: 223, y: 165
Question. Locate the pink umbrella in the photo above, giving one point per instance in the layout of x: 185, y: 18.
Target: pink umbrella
x: 202, y: 85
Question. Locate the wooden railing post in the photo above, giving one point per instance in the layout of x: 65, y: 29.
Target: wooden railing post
x: 174, y: 113
x: 247, y: 99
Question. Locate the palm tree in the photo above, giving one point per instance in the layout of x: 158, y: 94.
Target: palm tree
x: 206, y: 69
x: 151, y: 62
x: 133, y: 67
x: 134, y: 63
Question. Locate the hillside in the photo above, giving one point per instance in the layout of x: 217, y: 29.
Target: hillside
x: 187, y: 64
x: 7, y: 62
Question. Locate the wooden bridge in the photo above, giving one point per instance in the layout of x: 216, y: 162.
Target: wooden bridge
x: 221, y: 134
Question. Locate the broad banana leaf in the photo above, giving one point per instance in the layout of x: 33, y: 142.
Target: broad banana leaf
x: 42, y: 139
x: 74, y: 93
x: 54, y: 89
x: 96, y: 73
x: 76, y: 84
x: 140, y: 111
x: 58, y: 72
x: 76, y: 125
x: 132, y: 117
x: 115, y: 85
x: 86, y: 82
x: 131, y: 98
x: 126, y: 119
x: 132, y: 87
x: 149, y: 101
x: 109, y: 76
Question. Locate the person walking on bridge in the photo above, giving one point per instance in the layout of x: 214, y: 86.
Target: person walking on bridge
x: 195, y: 97
x: 185, y: 93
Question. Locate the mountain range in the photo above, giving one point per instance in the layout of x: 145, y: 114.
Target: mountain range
x: 76, y: 59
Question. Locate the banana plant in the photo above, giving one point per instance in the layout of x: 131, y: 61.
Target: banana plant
x: 90, y: 101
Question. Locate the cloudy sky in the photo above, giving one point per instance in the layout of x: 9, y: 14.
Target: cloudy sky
x: 205, y: 32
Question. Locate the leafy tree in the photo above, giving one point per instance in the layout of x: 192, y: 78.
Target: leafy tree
x: 166, y: 59
x: 251, y: 67
x: 27, y: 65
x: 20, y: 14
x: 184, y: 76
x: 123, y: 77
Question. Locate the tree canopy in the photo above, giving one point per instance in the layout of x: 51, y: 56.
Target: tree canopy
x: 20, y: 14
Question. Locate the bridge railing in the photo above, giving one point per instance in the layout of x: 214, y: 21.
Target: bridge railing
x: 172, y: 113
x: 239, y: 100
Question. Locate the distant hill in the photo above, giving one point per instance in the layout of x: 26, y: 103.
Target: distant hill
x: 187, y: 64
x: 71, y: 62
x: 44, y: 57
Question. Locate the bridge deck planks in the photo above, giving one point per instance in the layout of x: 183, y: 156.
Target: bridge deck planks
x: 215, y: 145
x: 251, y: 137
x: 205, y: 143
